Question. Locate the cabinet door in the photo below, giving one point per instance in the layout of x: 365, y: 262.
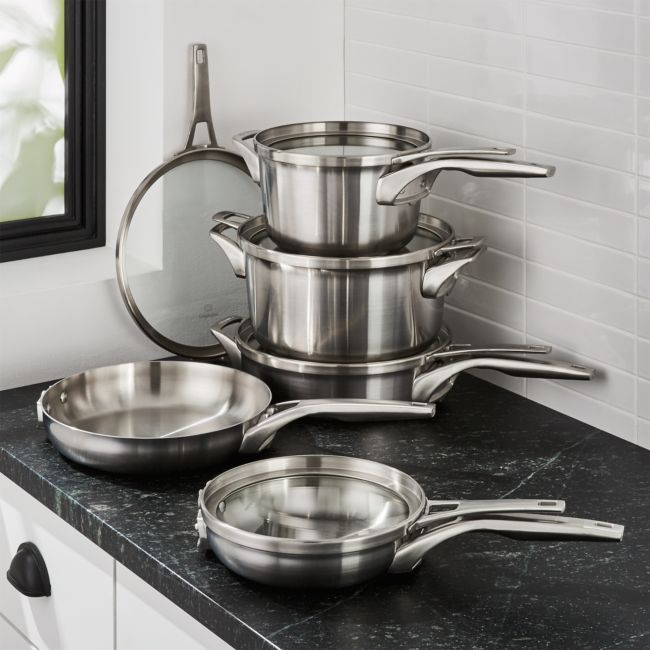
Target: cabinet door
x: 11, y: 638
x: 79, y: 613
x: 146, y: 619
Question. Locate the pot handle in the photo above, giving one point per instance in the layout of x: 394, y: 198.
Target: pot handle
x: 454, y: 509
x: 456, y: 350
x: 231, y: 247
x: 228, y: 343
x: 434, y: 384
x: 391, y: 187
x: 532, y: 527
x: 260, y: 435
x: 451, y: 153
x: 200, y: 96
x: 246, y: 150
x: 201, y: 528
x: 439, y: 278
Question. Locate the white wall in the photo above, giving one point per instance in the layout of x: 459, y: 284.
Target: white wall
x: 568, y: 83
x: 63, y: 313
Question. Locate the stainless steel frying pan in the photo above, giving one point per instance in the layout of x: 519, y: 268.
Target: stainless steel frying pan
x: 162, y: 416
x: 335, y: 521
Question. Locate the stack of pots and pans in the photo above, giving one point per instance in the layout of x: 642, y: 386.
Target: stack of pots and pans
x: 345, y: 277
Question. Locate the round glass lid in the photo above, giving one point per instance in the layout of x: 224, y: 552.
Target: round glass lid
x: 312, y: 507
x: 175, y: 281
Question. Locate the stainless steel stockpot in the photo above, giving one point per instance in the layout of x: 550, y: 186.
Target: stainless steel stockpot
x: 164, y: 416
x: 346, y: 309
x: 354, y: 188
x: 427, y: 376
x: 335, y: 521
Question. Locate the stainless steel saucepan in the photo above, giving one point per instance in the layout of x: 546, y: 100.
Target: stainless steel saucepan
x: 346, y: 309
x: 354, y: 188
x: 335, y: 521
x: 427, y: 376
x: 163, y: 416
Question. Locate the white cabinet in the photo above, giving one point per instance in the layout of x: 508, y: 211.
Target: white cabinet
x: 96, y: 603
x: 11, y: 638
x: 79, y: 613
x: 146, y: 619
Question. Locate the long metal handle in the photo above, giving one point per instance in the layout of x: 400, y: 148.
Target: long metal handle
x: 435, y: 383
x: 247, y: 152
x: 454, y: 509
x: 231, y: 247
x: 260, y: 435
x: 439, y: 278
x: 200, y: 95
x: 456, y: 350
x: 446, y: 153
x: 534, y: 527
x: 228, y: 343
x: 391, y: 187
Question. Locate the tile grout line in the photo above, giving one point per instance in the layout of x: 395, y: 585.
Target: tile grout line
x: 524, y: 18
x: 636, y: 212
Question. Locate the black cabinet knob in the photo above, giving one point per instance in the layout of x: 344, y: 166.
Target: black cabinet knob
x: 28, y: 573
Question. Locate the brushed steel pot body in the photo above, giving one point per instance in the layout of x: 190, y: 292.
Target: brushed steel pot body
x: 332, y: 188
x: 348, y: 309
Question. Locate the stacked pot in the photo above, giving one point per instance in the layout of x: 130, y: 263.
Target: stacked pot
x: 346, y: 279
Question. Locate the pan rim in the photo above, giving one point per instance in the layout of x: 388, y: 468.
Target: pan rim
x: 223, y: 485
x: 148, y: 439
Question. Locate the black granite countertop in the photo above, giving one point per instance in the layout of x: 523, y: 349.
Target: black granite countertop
x: 477, y: 591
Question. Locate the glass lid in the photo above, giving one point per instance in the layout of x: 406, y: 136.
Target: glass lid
x: 174, y: 281
x: 312, y: 507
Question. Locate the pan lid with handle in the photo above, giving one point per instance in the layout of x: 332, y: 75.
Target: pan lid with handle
x: 171, y: 282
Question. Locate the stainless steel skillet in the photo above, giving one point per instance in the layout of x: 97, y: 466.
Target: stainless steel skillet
x: 162, y: 416
x: 335, y: 521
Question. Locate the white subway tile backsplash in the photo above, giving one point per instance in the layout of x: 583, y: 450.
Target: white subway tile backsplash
x: 390, y: 97
x: 474, y: 116
x: 644, y: 198
x: 608, y: 70
x: 643, y: 36
x: 503, y: 233
x: 643, y: 76
x: 644, y: 318
x: 608, y: 384
x: 592, y: 411
x: 387, y: 63
x: 478, y: 81
x: 644, y: 156
x: 568, y: 81
x: 489, y: 302
x: 440, y: 39
x: 580, y: 103
x: 585, y: 337
x: 588, y: 143
x: 499, y: 269
x: 569, y: 24
x: 643, y: 109
x: 644, y: 358
x: 644, y: 237
x: 581, y: 297
x: 622, y: 6
x: 610, y: 188
x: 643, y: 277
x: 502, y: 197
x: 583, y: 220
x: 501, y: 15
x: 584, y: 259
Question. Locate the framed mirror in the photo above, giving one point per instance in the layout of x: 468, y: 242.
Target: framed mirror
x: 52, y: 126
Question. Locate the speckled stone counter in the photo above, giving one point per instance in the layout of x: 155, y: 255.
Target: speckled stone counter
x: 477, y: 591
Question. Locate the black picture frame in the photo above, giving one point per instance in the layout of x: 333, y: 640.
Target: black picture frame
x: 84, y: 223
